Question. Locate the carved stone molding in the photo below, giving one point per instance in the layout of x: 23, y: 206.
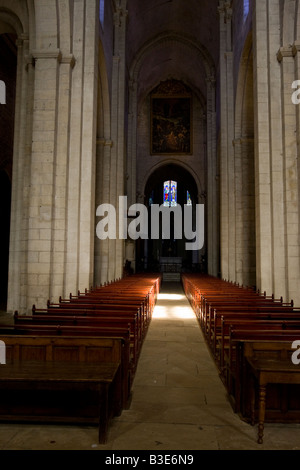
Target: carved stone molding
x: 285, y: 51
x: 47, y: 54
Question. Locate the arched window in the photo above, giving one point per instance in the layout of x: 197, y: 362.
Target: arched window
x: 170, y: 193
x: 102, y: 2
x: 246, y: 8
x: 188, y: 199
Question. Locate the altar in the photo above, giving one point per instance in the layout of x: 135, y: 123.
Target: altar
x: 170, y: 264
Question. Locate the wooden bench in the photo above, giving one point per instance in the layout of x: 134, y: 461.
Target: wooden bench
x: 267, y: 368
x: 133, y: 314
x: 233, y: 370
x: 249, y: 321
x: 54, y: 379
x: 83, y: 330
x: 214, y: 312
x: 105, y: 323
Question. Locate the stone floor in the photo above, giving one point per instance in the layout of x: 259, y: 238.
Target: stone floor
x: 179, y: 401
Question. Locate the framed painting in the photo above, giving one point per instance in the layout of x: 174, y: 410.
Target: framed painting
x: 171, y: 125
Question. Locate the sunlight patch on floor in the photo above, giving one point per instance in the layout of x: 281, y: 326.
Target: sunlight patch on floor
x: 170, y: 297
x: 183, y: 313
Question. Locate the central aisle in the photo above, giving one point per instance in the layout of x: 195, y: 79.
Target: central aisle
x: 179, y: 401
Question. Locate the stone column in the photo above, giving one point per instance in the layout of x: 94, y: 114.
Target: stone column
x: 244, y: 211
x: 59, y: 225
x: 17, y: 281
x: 227, y: 197
x: 41, y: 194
x: 269, y: 148
x: 118, y: 151
x: 288, y: 57
x: 264, y: 248
x: 212, y: 182
x: 103, y: 176
x: 294, y: 291
x: 79, y: 268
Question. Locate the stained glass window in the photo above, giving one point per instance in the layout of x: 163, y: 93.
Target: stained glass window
x: 188, y: 199
x: 170, y: 193
x: 173, y: 194
x: 246, y: 8
x: 102, y: 11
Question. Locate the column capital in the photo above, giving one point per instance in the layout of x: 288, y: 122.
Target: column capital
x: 68, y: 59
x: 285, y: 51
x: 47, y: 54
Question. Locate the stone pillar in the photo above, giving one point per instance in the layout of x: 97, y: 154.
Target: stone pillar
x: 264, y: 249
x: 79, y: 267
x: 17, y: 278
x: 269, y: 166
x: 41, y: 194
x: 118, y: 151
x: 244, y: 211
x: 59, y: 224
x: 227, y: 197
x: 103, y: 177
x: 294, y: 291
x: 212, y: 182
x: 132, y: 143
x: 288, y: 57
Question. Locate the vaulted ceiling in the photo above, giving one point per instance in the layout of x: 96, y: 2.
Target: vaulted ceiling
x: 172, y: 39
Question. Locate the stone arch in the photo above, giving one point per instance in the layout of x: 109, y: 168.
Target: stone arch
x: 152, y: 250
x: 184, y: 166
x: 160, y: 41
x: 170, y: 37
x: 10, y: 22
x: 204, y: 90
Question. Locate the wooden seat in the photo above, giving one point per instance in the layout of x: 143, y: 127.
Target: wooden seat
x: 231, y: 315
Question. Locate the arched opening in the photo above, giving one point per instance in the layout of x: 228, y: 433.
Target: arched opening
x: 8, y: 66
x: 169, y: 251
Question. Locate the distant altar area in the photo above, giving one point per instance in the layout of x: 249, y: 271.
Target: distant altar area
x: 170, y: 264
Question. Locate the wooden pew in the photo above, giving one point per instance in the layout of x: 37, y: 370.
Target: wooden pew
x: 232, y: 361
x: 100, y: 321
x: 230, y: 316
x: 251, y: 321
x: 268, y: 363
x: 222, y: 323
x: 70, y: 379
x: 119, y: 312
x: 239, y: 305
x: 83, y: 330
x: 111, y: 309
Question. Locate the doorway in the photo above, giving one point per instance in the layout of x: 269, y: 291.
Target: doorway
x: 170, y: 185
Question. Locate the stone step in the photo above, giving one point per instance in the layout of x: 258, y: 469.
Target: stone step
x: 171, y: 277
